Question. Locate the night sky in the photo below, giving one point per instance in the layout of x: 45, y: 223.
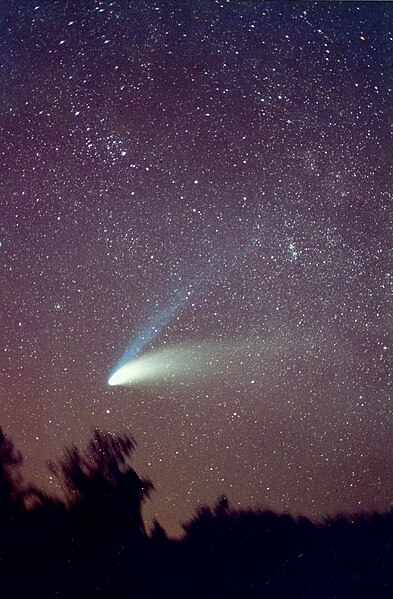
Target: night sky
x: 218, y: 172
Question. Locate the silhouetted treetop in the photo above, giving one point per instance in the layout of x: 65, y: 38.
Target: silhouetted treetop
x: 101, y: 484
x: 105, y: 459
x: 10, y: 477
x: 158, y: 533
x: 96, y: 545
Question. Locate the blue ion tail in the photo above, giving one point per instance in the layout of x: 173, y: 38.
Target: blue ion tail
x: 148, y: 334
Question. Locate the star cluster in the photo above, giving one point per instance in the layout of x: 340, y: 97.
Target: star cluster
x: 235, y: 153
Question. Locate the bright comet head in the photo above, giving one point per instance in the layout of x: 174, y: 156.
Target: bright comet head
x: 132, y: 372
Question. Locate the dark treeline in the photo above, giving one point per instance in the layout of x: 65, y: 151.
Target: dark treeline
x: 94, y: 543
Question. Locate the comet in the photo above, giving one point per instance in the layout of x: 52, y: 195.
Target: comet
x: 179, y: 362
x: 150, y: 332
x: 142, y: 369
x: 193, y: 363
x: 239, y: 359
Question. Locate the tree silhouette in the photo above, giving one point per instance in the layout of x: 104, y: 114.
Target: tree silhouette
x: 101, y: 486
x: 95, y: 545
x: 10, y: 477
x: 158, y: 533
x: 11, y: 514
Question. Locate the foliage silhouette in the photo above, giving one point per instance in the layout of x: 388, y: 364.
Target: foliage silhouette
x: 104, y: 492
x: 10, y: 477
x: 94, y: 544
x: 11, y: 509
